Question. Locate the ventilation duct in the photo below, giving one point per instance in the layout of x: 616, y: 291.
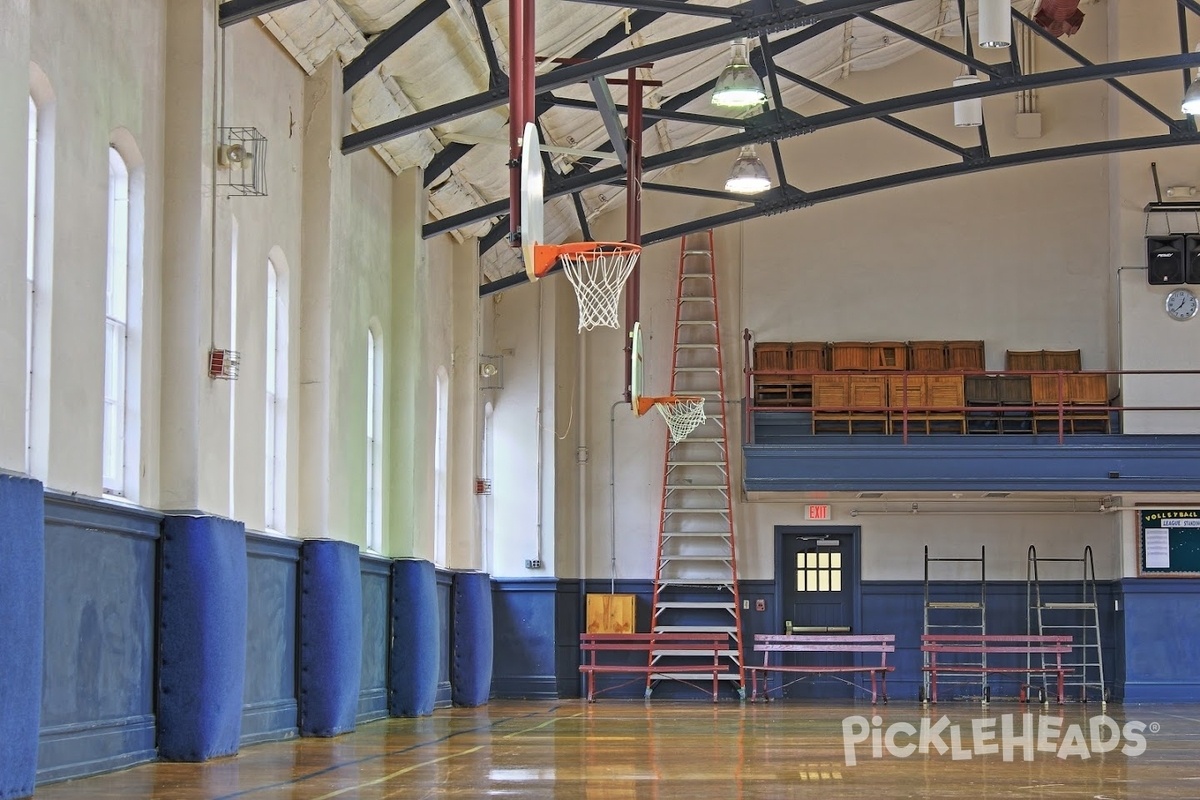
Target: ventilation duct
x: 1059, y: 17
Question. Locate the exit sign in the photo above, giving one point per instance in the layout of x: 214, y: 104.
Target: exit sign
x: 817, y: 513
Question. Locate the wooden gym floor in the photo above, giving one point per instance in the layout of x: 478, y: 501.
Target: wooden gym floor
x: 663, y: 749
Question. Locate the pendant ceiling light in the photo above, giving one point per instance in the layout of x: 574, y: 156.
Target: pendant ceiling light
x: 739, y: 85
x: 968, y: 113
x: 749, y: 174
x: 1191, y: 98
x: 995, y: 23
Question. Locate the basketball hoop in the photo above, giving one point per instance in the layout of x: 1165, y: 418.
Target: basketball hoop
x: 682, y: 414
x: 597, y: 270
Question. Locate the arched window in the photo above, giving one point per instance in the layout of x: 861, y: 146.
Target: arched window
x: 441, y: 459
x: 116, y: 324
x: 374, y: 442
x: 30, y: 277
x: 121, y: 440
x: 277, y: 385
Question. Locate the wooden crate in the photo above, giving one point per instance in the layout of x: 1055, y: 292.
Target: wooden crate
x: 889, y: 356
x: 611, y: 613
x: 965, y: 355
x: 928, y: 356
x: 1067, y: 360
x: 850, y: 356
x: 772, y: 390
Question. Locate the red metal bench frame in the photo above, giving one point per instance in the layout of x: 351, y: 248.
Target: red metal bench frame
x: 998, y: 644
x: 823, y: 643
x: 702, y: 644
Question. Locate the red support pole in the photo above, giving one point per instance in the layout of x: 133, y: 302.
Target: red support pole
x: 633, y: 215
x: 520, y: 101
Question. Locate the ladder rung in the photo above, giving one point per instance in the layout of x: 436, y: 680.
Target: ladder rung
x: 697, y: 298
x: 695, y: 629
x: 696, y: 510
x: 952, y: 604
x: 703, y: 534
x: 695, y: 463
x: 697, y: 604
x: 697, y: 252
x: 695, y: 582
x: 699, y: 676
x: 705, y: 486
x: 1066, y: 606
x: 717, y: 558
x: 708, y: 322
x: 698, y: 346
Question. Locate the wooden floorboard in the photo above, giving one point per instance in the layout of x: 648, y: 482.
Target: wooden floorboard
x: 618, y: 749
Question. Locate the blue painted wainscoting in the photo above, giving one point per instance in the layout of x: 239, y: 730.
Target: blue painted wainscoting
x: 1159, y: 625
x: 377, y: 634
x: 270, y: 710
x: 526, y: 639
x: 445, y: 581
x: 98, y: 674
x: 897, y: 607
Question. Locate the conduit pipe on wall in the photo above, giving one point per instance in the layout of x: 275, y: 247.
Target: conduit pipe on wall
x: 541, y: 379
x: 612, y: 493
x: 916, y: 509
x: 581, y: 460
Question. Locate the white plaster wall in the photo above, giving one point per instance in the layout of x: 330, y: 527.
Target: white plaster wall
x: 14, y: 116
x: 1149, y: 340
x: 104, y: 60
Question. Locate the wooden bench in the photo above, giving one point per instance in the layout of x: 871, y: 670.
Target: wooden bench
x: 822, y: 643
x: 983, y: 645
x: 647, y: 645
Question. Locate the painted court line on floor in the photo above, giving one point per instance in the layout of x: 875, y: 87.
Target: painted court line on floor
x: 400, y: 772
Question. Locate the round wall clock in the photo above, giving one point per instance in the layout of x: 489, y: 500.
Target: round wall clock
x: 1182, y: 304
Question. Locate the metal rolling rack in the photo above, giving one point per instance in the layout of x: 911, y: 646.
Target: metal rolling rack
x: 1078, y: 618
x: 957, y: 616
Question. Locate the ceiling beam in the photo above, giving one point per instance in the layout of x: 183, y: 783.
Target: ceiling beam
x: 654, y: 113
x: 675, y: 7
x: 792, y: 16
x: 391, y: 40
x: 782, y: 201
x: 1078, y: 57
x: 236, y: 11
x: 886, y: 119
x: 759, y: 130
x: 995, y: 70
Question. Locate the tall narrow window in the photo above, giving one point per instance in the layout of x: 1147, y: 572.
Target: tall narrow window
x: 116, y: 321
x: 277, y: 381
x: 441, y: 459
x: 30, y: 274
x: 374, y: 443
x: 233, y: 314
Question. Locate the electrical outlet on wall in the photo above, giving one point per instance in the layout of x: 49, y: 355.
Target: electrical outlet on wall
x: 533, y: 563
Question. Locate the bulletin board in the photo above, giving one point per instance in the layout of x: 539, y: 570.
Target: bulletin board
x: 1169, y: 543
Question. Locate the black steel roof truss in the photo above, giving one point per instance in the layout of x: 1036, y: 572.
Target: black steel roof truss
x: 995, y: 70
x: 235, y: 11
x: 767, y: 131
x: 382, y: 46
x: 792, y: 16
x: 674, y: 7
x: 497, y: 78
x: 1078, y: 57
x: 887, y: 119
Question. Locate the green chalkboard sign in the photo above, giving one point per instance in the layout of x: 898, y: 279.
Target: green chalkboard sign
x: 1170, y: 542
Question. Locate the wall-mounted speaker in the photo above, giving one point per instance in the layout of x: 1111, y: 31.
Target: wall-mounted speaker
x: 1191, y: 258
x: 1165, y: 259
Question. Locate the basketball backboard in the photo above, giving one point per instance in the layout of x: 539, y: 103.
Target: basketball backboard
x: 532, y: 182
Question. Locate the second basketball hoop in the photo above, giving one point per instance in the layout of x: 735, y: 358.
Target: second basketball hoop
x: 682, y: 413
x: 596, y: 270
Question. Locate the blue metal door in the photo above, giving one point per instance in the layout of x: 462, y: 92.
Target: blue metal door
x: 818, y: 574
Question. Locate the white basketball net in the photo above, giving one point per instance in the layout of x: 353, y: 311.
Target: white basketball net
x: 598, y: 279
x: 683, y: 416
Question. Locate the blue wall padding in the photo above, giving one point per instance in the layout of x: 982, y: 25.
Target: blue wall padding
x: 22, y: 579
x: 330, y: 636
x: 202, y: 637
x: 471, y: 643
x: 413, y: 673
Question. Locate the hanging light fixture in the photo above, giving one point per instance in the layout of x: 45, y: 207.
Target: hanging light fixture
x: 749, y: 174
x: 995, y: 23
x: 968, y: 113
x: 739, y: 85
x: 1191, y: 98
